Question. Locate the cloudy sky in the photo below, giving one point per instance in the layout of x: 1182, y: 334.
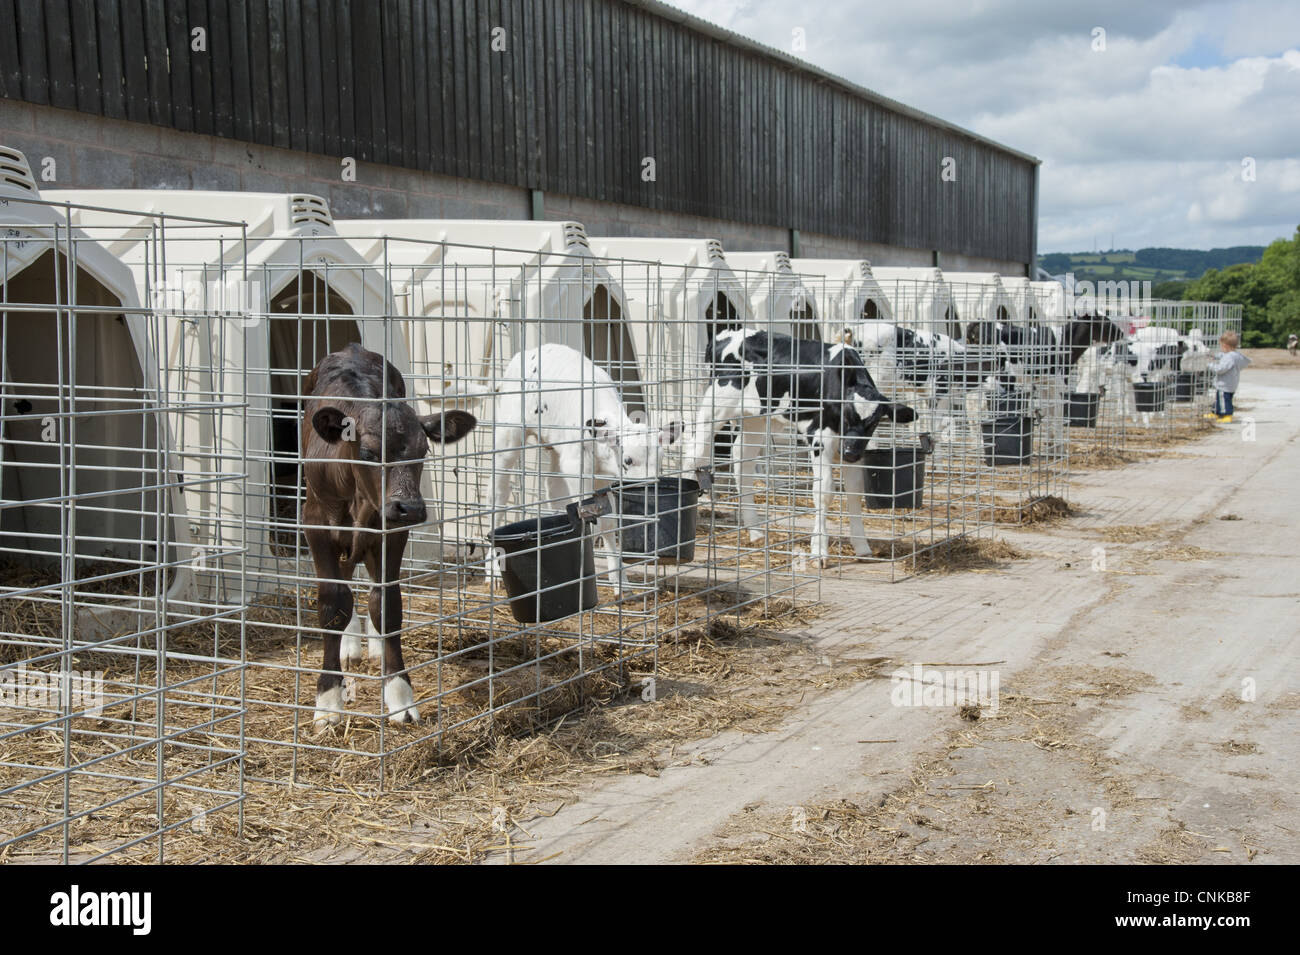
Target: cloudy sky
x: 1144, y: 139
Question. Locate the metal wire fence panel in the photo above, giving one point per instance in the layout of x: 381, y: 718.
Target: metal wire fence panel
x: 1150, y: 387
x: 121, y: 582
x: 917, y: 490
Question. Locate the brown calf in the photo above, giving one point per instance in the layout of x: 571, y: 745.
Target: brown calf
x: 363, y: 450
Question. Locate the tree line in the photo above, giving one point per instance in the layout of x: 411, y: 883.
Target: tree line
x: 1267, y: 290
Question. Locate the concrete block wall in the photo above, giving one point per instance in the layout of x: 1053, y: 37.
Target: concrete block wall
x: 92, y: 152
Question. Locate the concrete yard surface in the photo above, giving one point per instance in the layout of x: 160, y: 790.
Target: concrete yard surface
x: 1144, y: 652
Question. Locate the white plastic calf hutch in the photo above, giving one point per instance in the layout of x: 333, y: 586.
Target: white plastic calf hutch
x: 981, y: 296
x: 1052, y: 300
x: 849, y: 293
x: 85, y: 452
x: 495, y: 287
x: 301, y: 291
x: 681, y: 292
x: 779, y: 298
x: 920, y: 298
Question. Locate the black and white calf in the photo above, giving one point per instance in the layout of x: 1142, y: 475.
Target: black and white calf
x: 823, y: 390
x: 1041, y: 359
x: 1151, y: 354
x: 935, y: 364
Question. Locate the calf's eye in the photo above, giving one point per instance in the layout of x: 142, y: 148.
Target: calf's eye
x: 628, y: 461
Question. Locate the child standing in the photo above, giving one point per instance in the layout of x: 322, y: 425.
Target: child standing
x: 1227, y: 373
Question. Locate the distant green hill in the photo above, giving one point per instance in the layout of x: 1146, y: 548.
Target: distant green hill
x: 1147, y: 265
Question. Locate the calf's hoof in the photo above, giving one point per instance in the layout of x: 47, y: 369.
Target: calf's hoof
x: 329, y: 709
x: 400, y: 701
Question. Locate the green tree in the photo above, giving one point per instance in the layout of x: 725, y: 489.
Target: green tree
x: 1268, y: 291
x: 1174, y: 290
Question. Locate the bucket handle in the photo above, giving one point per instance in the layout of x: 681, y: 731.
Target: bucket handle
x: 590, y: 510
x: 704, y: 477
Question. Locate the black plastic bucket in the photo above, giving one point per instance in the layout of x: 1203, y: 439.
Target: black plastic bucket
x: 656, y: 519
x: 1009, y: 401
x: 1185, y: 386
x: 1081, y: 409
x: 549, y: 568
x: 1149, y: 396
x: 895, y: 478
x: 1008, y: 440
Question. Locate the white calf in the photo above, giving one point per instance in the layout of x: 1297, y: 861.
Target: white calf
x: 571, y: 408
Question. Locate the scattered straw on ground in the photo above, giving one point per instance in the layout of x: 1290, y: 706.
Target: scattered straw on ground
x: 1176, y: 845
x: 969, y: 554
x: 1001, y: 811
x: 1043, y: 510
x: 1131, y: 533
x: 733, y: 669
x: 1103, y: 459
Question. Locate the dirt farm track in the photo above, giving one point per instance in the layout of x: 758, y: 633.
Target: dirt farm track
x: 1121, y: 734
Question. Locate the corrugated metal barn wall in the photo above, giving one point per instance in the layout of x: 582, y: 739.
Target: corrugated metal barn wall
x: 583, y: 91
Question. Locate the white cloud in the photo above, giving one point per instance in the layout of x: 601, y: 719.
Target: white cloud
x: 1132, y: 142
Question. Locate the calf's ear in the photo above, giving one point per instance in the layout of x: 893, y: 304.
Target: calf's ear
x: 671, y: 432
x: 330, y: 423
x: 901, y: 414
x: 599, y: 429
x: 448, y: 427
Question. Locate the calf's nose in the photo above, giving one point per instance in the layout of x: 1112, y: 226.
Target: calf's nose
x: 410, y: 511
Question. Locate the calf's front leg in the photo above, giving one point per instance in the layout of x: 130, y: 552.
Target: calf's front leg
x: 386, y: 618
x: 855, y: 486
x: 750, y: 442
x: 333, y: 611
x: 823, y: 485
